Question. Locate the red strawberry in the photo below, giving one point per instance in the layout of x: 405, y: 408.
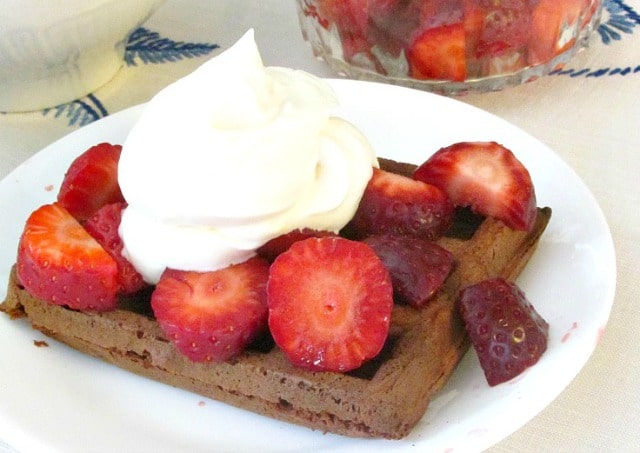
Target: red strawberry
x: 58, y: 261
x: 555, y: 28
x: 394, y: 23
x: 348, y: 14
x: 506, y: 331
x: 103, y: 226
x: 396, y: 204
x: 330, y: 302
x: 506, y: 28
x: 485, y: 176
x: 350, y: 18
x: 212, y: 316
x: 91, y: 181
x: 418, y: 267
x: 439, y: 54
x: 474, y: 16
x: 271, y: 249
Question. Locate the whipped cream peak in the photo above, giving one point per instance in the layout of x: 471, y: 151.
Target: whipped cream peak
x: 231, y: 156
x: 245, y: 96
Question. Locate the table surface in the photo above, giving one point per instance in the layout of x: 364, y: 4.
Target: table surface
x: 589, y: 114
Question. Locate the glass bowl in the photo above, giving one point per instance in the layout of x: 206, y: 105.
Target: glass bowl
x: 448, y: 46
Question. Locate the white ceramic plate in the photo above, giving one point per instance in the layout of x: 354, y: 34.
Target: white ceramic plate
x: 54, y: 398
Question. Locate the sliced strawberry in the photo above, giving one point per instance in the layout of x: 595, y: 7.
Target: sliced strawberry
x: 439, y: 54
x: 506, y: 28
x: 396, y: 204
x: 418, y: 267
x: 350, y: 18
x: 507, y: 333
x: 91, y: 181
x: 58, y: 261
x: 212, y: 316
x: 271, y: 249
x: 103, y: 226
x: 330, y: 302
x: 485, y: 176
x: 555, y: 28
x: 474, y: 16
x: 347, y: 14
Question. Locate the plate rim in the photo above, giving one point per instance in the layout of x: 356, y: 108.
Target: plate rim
x: 129, y: 114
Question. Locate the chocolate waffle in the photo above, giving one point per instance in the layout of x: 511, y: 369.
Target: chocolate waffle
x: 384, y: 398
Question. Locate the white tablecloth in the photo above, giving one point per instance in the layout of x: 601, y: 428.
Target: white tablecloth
x: 589, y: 113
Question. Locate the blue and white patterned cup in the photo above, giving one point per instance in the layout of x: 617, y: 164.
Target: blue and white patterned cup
x: 54, y: 51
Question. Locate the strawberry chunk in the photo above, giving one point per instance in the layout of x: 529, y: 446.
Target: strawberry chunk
x: 506, y: 28
x: 396, y: 204
x: 507, y: 333
x: 212, y: 316
x: 418, y: 267
x: 91, y: 181
x: 555, y: 28
x: 103, y: 226
x: 330, y: 302
x: 58, y: 261
x: 485, y: 176
x: 439, y: 53
x: 271, y: 249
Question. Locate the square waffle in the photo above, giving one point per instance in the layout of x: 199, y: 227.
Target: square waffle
x: 385, y: 398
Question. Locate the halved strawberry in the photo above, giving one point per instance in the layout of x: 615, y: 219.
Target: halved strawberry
x: 418, y: 267
x: 271, y: 249
x: 439, y: 53
x: 91, y: 181
x: 103, y: 226
x: 330, y: 302
x: 555, y: 28
x: 506, y: 331
x: 212, y: 316
x: 485, y: 176
x: 58, y: 261
x: 397, y: 204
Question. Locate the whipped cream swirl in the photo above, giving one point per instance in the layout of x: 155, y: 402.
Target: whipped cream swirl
x: 231, y: 156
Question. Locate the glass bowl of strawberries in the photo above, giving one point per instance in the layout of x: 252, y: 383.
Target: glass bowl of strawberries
x: 448, y: 46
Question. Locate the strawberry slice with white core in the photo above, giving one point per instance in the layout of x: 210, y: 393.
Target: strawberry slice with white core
x: 58, y: 261
x: 330, y: 302
x: 485, y: 176
x: 439, y: 53
x: 212, y: 316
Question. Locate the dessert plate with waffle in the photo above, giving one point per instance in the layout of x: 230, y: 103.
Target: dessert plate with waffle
x: 424, y: 385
